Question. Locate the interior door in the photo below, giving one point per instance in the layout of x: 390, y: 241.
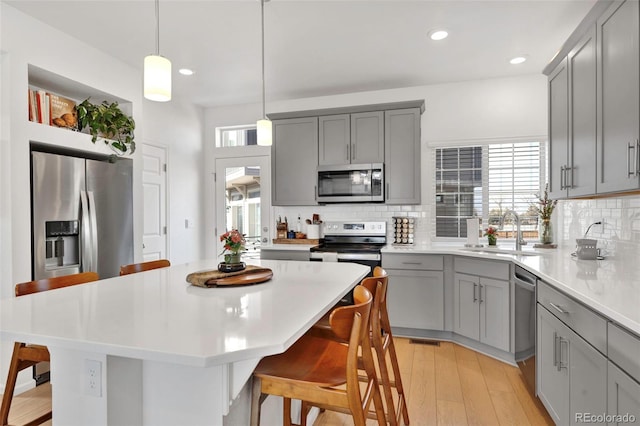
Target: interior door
x: 243, y: 194
x: 154, y: 184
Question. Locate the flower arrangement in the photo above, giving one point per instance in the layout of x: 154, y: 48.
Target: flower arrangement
x: 544, y: 207
x: 491, y: 232
x: 233, y: 242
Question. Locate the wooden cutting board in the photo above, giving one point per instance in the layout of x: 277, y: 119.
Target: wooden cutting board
x: 214, y: 278
x: 295, y: 241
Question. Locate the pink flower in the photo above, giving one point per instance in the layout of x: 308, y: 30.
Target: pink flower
x: 233, y: 241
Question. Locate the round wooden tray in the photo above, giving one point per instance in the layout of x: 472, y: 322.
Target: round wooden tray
x: 215, y: 278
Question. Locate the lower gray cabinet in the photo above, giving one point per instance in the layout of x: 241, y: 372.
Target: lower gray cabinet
x: 570, y: 372
x: 623, y: 397
x: 415, y: 299
x: 481, y: 309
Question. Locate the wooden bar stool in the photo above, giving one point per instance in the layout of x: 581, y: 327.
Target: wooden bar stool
x: 26, y: 355
x: 144, y: 266
x: 315, y: 369
x: 382, y: 340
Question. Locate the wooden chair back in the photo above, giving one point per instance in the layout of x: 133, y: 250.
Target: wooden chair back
x: 341, y: 319
x: 144, y: 266
x: 56, y: 282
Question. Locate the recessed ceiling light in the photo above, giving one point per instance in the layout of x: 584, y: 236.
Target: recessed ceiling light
x: 438, y: 35
x: 518, y: 60
x: 185, y: 71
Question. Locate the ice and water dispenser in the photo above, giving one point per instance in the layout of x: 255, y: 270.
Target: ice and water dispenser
x: 62, y: 244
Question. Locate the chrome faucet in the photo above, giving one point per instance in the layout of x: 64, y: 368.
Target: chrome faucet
x: 519, y: 240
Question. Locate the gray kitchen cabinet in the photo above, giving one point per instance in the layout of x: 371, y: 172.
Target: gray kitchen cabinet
x: 558, y: 93
x: 415, y: 297
x: 481, y: 301
x: 294, y: 159
x: 334, y: 144
x: 402, y: 156
x: 570, y: 372
x: 623, y: 396
x: 351, y: 138
x: 572, y: 126
x: 367, y: 137
x: 618, y: 148
x: 481, y: 309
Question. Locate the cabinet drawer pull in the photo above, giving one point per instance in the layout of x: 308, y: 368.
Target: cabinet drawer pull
x: 353, y: 151
x: 481, y: 300
x: 555, y: 349
x: 561, y: 363
x: 637, y: 157
x: 475, y: 298
x: 569, y: 177
x: 412, y: 263
x: 562, y: 176
x: 387, y: 194
x: 558, y: 308
x: 346, y: 152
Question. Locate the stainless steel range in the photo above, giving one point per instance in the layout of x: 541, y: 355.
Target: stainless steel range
x: 352, y: 241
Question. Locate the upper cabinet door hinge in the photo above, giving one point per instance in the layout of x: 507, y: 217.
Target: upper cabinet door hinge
x: 214, y: 176
x: 164, y: 230
x: 164, y: 167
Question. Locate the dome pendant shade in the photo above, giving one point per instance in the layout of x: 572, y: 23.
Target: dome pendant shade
x: 157, y: 78
x: 264, y: 132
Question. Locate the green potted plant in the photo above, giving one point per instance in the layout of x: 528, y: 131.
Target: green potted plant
x: 107, y: 121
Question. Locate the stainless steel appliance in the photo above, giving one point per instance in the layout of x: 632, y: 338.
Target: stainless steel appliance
x: 82, y: 215
x: 351, y: 183
x: 353, y: 241
x: 525, y: 324
x: 81, y: 219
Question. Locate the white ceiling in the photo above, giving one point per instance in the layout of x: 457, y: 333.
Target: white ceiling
x: 319, y: 47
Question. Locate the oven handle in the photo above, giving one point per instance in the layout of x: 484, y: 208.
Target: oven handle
x: 349, y: 256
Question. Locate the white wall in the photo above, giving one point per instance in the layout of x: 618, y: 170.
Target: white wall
x: 24, y: 41
x: 455, y: 113
x: 179, y: 127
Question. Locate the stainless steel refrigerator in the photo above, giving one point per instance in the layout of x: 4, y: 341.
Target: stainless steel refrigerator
x: 82, y: 215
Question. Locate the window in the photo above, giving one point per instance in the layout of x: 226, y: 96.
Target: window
x: 486, y: 181
x: 236, y: 136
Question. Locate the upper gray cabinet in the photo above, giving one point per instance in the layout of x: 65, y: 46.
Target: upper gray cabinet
x: 402, y: 156
x: 619, y: 97
x: 294, y: 158
x: 351, y: 138
x: 572, y: 121
x: 594, y: 105
x: 367, y: 137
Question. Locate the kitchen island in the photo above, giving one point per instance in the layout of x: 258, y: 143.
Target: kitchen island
x: 151, y: 349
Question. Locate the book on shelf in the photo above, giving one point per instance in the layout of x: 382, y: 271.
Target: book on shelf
x: 52, y: 109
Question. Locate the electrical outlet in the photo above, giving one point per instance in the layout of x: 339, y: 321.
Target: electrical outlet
x: 92, y: 377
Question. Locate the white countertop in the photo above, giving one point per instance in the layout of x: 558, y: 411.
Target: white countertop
x: 156, y: 315
x: 610, y: 286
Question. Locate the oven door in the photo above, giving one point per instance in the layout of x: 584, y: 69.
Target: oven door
x: 351, y: 183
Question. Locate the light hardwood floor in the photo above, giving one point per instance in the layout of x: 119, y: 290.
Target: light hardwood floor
x: 445, y: 385
x: 452, y: 385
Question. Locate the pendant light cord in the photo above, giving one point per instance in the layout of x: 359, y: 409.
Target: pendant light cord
x: 264, y: 116
x: 157, y: 27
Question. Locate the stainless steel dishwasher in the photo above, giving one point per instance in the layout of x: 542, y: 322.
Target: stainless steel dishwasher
x: 525, y: 324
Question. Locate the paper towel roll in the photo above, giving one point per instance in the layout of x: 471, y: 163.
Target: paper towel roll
x: 473, y: 228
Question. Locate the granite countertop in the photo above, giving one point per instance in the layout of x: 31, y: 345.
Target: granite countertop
x: 610, y: 286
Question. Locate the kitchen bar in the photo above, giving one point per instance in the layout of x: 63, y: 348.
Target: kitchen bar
x: 168, y: 352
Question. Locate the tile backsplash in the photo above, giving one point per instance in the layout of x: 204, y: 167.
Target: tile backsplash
x: 621, y: 221
x: 368, y: 212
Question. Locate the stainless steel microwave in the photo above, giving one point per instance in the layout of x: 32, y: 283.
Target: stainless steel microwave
x: 351, y: 183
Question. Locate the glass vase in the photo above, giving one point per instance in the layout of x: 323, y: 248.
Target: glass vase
x: 545, y: 231
x: 232, y: 258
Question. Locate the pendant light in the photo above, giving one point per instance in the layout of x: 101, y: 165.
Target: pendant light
x: 263, y: 126
x: 157, y: 70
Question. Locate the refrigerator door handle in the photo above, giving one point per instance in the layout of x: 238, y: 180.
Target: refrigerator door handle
x: 86, y: 261
x: 94, y: 231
